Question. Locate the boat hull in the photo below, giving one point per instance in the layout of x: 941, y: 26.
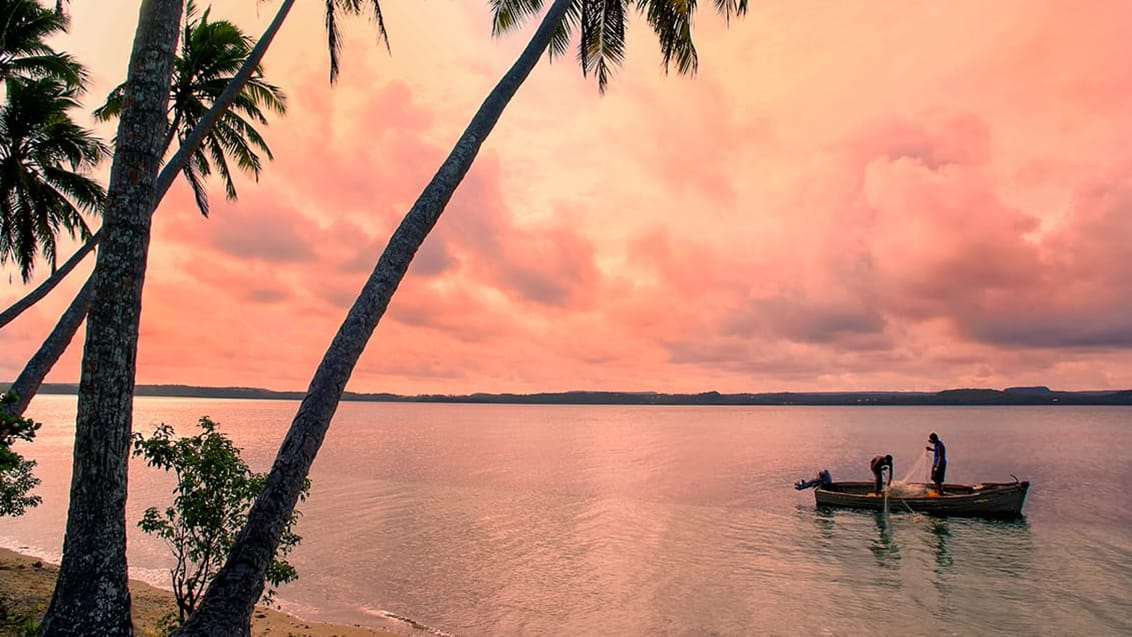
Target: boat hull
x: 988, y: 500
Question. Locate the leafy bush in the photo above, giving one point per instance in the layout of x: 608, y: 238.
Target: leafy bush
x: 16, y: 479
x: 215, y: 490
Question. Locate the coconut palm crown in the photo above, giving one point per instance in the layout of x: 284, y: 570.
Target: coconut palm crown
x: 25, y: 27
x: 44, y: 157
x: 211, y: 54
x: 601, y: 28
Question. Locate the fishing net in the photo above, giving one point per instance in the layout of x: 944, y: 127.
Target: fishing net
x: 920, y: 470
x: 901, y: 489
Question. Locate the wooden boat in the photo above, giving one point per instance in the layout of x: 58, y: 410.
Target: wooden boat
x: 988, y: 499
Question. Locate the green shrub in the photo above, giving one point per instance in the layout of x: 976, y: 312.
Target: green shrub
x: 214, y: 492
x: 16, y: 479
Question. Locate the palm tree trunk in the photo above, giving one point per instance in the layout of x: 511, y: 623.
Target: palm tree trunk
x: 91, y: 593
x: 227, y: 605
x: 33, y: 297
x: 29, y: 380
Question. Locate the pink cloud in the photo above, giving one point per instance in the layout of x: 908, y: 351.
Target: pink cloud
x: 546, y: 263
x: 812, y: 211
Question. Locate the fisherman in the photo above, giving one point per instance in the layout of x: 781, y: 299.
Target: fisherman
x: 939, y: 461
x: 824, y: 479
x: 879, y: 465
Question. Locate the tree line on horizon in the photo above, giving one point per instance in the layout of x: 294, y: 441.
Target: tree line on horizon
x: 193, y: 92
x: 1036, y: 395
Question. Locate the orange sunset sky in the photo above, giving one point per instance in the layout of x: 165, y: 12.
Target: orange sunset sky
x: 848, y: 196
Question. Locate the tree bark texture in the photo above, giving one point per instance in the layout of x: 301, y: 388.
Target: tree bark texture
x: 91, y: 593
x: 227, y: 605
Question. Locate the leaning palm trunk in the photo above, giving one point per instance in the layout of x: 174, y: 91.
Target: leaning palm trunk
x: 29, y: 380
x: 49, y: 353
x: 227, y: 605
x: 33, y: 297
x: 91, y: 593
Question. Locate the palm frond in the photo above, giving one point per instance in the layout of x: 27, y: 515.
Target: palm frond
x: 334, y: 36
x: 113, y: 106
x: 216, y: 153
x: 728, y: 8
x: 601, y: 46
x: 560, y: 40
x: 56, y: 65
x: 25, y: 30
x: 192, y: 175
x: 507, y: 15
x: 211, y: 54
x: 86, y: 193
x: 671, y: 21
x: 44, y: 156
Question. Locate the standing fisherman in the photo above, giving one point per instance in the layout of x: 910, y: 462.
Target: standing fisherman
x: 939, y: 461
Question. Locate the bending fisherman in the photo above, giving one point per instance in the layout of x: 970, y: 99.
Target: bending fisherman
x: 879, y: 465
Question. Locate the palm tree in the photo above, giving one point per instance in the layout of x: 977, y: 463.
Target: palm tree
x: 91, y: 593
x: 43, y: 160
x: 227, y: 604
x: 191, y: 142
x: 204, y: 125
x: 210, y: 57
x: 25, y: 27
x: 24, y: 55
x: 211, y: 54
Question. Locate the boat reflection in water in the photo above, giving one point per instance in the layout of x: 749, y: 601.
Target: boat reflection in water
x: 913, y: 550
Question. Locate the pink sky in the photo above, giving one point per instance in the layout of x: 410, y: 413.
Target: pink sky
x: 848, y: 196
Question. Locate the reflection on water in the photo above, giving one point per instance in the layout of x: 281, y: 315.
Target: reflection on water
x: 946, y: 571
x: 884, y: 548
x: 906, y: 571
x: 941, y: 530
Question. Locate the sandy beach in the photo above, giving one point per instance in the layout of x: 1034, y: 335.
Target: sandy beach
x: 26, y: 584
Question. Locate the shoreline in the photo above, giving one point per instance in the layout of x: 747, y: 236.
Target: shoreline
x: 26, y: 584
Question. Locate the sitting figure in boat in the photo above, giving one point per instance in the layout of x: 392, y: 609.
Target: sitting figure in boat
x: 823, y: 480
x: 879, y: 465
x: 939, y: 461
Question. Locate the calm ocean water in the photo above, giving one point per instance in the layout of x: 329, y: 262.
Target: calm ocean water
x: 547, y: 520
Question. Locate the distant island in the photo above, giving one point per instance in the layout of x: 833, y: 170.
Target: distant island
x: 1010, y: 396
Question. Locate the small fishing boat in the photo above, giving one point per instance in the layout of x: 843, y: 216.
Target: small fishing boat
x: 987, y: 500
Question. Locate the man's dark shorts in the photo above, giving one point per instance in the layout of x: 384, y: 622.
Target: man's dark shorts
x: 939, y: 472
